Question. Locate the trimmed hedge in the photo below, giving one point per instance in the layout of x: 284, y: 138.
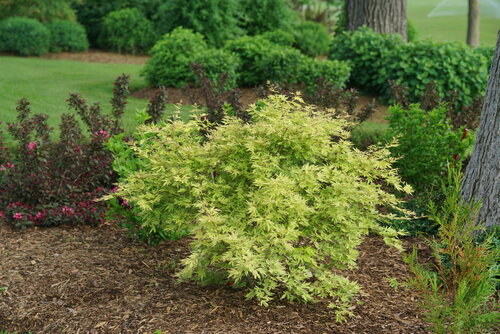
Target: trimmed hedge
x: 377, y: 58
x: 127, y: 30
x: 24, y: 36
x: 67, y: 36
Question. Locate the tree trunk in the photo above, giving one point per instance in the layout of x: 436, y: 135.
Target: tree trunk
x: 482, y: 176
x: 473, y: 23
x: 387, y: 16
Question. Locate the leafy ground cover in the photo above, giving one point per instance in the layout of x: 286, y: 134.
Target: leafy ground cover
x: 96, y: 280
x: 452, y: 27
x: 46, y: 84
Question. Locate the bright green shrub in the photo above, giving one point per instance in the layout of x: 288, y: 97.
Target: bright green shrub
x: 427, y: 142
x: 370, y: 55
x: 259, y: 16
x: 91, y: 13
x: 411, y: 31
x: 215, y: 19
x: 273, y: 204
x: 24, y: 36
x: 279, y: 37
x: 67, y: 36
x: 217, y: 62
x: 171, y: 56
x: 42, y: 10
x: 127, y: 30
x: 378, y: 58
x: 263, y: 61
x: 312, y: 38
x: 251, y: 50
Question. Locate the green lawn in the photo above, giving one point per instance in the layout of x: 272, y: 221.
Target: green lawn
x: 47, y: 83
x: 451, y: 28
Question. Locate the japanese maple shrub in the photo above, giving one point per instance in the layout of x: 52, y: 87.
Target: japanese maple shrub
x: 47, y: 182
x: 272, y: 204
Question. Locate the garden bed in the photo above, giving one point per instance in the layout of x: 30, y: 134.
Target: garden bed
x: 96, y: 280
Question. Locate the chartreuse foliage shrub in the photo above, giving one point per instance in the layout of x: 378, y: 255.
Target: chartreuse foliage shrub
x: 67, y: 36
x: 311, y: 38
x: 459, y: 292
x: 273, y: 204
x: 24, y: 36
x: 377, y: 58
x: 427, y: 142
x: 171, y: 57
x: 127, y: 30
x: 217, y: 20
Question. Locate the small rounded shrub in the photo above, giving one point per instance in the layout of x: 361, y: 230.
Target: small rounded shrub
x: 24, y: 36
x: 271, y: 205
x: 279, y: 37
x: 171, y: 57
x: 217, y: 62
x: 67, y: 36
x: 312, y: 38
x: 127, y: 30
x: 251, y: 50
x: 217, y: 20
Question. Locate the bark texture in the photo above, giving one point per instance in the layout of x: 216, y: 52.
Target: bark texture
x: 473, y: 23
x: 387, y: 16
x: 482, y: 177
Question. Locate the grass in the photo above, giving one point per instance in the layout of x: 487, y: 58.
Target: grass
x: 450, y: 28
x: 47, y: 83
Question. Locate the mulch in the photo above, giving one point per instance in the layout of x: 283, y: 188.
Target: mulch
x: 98, y: 280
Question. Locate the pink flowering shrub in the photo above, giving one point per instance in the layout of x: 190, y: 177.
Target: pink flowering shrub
x: 48, y: 182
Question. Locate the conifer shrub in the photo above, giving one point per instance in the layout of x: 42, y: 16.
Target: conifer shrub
x: 24, y: 36
x: 67, y: 36
x: 171, y: 57
x: 311, y: 38
x: 127, y: 30
x: 272, y: 204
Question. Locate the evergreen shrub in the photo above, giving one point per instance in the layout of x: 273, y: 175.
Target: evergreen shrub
x: 24, y: 36
x: 67, y: 36
x: 311, y: 38
x: 272, y: 204
x: 377, y: 58
x: 127, y: 30
x: 171, y: 57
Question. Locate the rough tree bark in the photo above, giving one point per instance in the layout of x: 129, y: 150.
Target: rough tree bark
x: 473, y: 23
x: 482, y: 176
x: 387, y: 16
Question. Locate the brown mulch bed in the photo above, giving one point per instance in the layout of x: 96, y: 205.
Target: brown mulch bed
x: 97, y: 280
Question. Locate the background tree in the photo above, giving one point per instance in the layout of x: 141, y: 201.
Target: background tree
x: 387, y: 16
x: 473, y: 23
x: 482, y: 177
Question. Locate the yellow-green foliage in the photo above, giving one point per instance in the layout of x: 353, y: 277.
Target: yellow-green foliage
x: 273, y: 205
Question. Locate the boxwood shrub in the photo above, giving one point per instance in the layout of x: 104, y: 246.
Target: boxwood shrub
x: 24, y: 36
x: 272, y: 205
x: 377, y: 58
x: 311, y: 38
x: 67, y: 36
x: 171, y: 57
x: 127, y: 30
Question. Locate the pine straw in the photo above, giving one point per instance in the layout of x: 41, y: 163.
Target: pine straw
x: 97, y: 280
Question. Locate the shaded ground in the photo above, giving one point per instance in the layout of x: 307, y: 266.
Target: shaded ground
x: 96, y: 280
